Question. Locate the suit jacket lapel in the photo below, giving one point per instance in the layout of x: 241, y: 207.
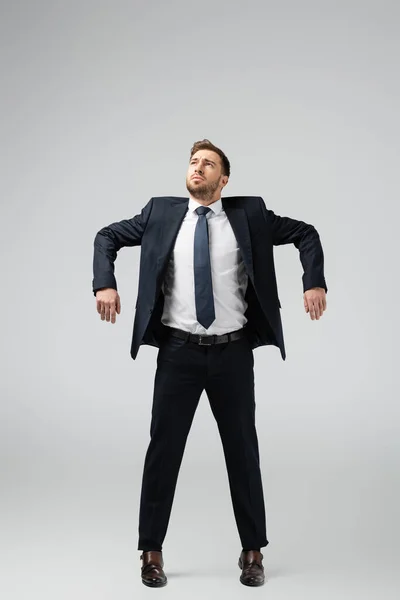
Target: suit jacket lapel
x: 238, y: 219
x: 172, y: 217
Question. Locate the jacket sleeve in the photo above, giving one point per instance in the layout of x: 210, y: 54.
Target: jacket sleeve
x: 306, y: 239
x: 109, y: 240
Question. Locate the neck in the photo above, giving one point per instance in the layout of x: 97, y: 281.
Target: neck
x: 205, y: 201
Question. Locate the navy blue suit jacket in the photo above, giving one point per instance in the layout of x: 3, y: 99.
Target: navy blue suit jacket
x: 257, y: 230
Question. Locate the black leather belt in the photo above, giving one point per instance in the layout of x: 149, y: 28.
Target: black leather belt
x: 208, y: 340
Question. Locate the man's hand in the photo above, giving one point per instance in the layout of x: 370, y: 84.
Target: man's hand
x: 108, y: 303
x: 315, y: 302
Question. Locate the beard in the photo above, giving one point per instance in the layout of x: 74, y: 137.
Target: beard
x: 202, y: 191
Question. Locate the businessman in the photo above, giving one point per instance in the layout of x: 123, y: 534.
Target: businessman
x: 207, y: 298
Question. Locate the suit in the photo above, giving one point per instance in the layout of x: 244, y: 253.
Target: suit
x: 186, y: 368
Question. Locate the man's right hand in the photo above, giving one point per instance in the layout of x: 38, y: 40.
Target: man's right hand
x: 108, y: 303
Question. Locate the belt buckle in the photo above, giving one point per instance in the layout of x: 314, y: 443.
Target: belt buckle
x: 201, y: 343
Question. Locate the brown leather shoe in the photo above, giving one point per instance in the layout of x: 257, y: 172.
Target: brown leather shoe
x: 252, y: 569
x: 152, y: 569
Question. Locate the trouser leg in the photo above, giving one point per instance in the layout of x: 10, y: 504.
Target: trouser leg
x: 179, y: 382
x: 230, y: 389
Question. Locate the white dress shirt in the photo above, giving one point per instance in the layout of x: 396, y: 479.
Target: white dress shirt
x: 229, y: 276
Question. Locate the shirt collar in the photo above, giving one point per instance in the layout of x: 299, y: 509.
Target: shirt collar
x: 216, y: 206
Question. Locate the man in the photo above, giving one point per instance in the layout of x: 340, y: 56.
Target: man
x: 207, y: 297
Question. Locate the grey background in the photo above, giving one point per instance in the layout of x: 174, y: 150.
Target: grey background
x: 101, y: 102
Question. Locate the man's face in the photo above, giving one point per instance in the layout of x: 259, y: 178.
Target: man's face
x: 204, y: 179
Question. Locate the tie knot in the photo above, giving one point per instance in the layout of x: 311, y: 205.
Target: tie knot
x: 202, y: 210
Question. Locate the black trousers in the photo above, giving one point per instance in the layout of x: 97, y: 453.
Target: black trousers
x: 184, y: 370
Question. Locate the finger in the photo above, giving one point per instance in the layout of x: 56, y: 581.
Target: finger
x: 103, y: 311
x: 308, y: 305
x: 112, y: 313
x: 118, y: 305
x: 98, y: 306
x: 107, y: 312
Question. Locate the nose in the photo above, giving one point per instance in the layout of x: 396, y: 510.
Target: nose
x: 198, y: 169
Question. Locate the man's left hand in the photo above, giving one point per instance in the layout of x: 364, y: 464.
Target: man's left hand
x: 315, y: 302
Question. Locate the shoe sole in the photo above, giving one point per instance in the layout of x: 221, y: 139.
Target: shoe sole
x: 154, y: 584
x: 252, y: 584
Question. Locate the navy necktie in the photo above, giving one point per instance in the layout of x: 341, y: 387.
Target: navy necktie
x: 202, y: 271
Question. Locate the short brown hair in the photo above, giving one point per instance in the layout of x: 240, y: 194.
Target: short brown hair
x: 207, y: 145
